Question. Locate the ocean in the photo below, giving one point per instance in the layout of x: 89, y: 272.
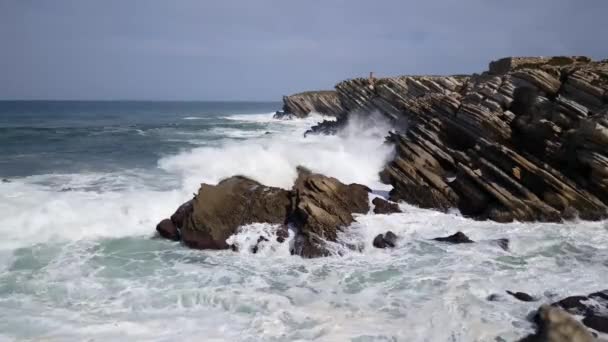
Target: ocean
x: 85, y: 183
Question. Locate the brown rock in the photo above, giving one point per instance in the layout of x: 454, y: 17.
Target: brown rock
x: 168, y: 230
x: 218, y: 210
x: 182, y: 213
x: 323, y: 205
x: 382, y: 206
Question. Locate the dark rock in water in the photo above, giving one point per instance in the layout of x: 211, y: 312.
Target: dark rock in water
x: 574, y: 304
x: 458, y: 237
x: 503, y: 243
x: 218, y: 210
x: 309, y: 246
x: 556, y: 325
x: 524, y: 297
x: 599, y: 323
x: 326, y: 127
x: 168, y: 230
x: 182, y: 213
x: 282, y: 234
x: 382, y: 206
x: 388, y: 239
x: 255, y: 248
x: 379, y: 241
x: 322, y: 206
x: 4, y: 180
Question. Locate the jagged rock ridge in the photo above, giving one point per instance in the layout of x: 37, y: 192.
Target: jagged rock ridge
x: 302, y: 104
x: 527, y: 140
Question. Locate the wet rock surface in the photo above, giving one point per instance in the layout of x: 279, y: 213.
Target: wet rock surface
x: 382, y: 206
x: 386, y: 240
x: 524, y: 297
x: 456, y: 238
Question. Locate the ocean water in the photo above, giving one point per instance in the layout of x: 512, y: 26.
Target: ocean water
x: 86, y: 183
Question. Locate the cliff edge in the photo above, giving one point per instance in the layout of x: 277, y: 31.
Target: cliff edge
x: 526, y: 140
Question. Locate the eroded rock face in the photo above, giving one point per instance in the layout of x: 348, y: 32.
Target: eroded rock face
x: 218, y: 210
x: 300, y: 105
x: 322, y: 206
x: 526, y: 141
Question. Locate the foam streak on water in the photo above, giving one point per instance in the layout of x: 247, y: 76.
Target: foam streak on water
x: 77, y: 260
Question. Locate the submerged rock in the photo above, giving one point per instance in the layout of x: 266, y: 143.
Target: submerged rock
x: 382, y: 206
x: 458, y: 237
x: 524, y: 297
x: 503, y: 243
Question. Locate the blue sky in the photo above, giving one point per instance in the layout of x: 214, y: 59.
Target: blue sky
x: 263, y: 49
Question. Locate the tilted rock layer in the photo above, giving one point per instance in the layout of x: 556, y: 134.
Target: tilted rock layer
x: 527, y: 140
x: 302, y: 104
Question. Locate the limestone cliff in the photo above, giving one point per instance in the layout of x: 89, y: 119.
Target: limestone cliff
x: 526, y: 140
x: 301, y: 104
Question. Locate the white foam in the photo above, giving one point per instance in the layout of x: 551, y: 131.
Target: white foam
x: 355, y: 155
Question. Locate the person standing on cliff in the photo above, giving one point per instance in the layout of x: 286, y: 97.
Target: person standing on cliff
x: 371, y: 80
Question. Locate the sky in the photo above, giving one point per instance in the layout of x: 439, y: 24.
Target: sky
x: 264, y: 49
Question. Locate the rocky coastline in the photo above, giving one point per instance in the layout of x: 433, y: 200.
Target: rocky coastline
x: 526, y: 140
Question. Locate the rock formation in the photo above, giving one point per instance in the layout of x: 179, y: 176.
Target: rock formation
x: 218, y: 210
x: 317, y: 206
x: 322, y: 205
x: 556, y: 325
x: 302, y: 104
x: 593, y: 308
x: 526, y: 140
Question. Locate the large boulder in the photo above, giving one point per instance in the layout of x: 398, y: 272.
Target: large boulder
x: 322, y: 206
x: 218, y: 210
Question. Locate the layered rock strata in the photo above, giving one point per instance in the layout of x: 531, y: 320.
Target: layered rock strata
x: 526, y: 140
